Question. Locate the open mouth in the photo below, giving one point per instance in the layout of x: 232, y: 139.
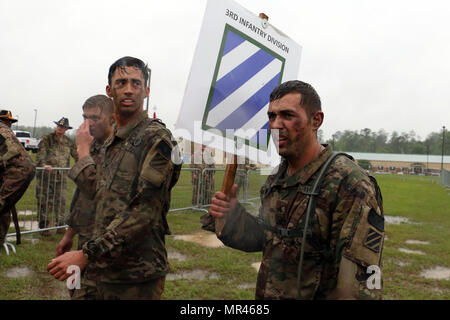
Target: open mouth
x: 127, y: 102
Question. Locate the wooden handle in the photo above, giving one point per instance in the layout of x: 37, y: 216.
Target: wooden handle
x: 228, y: 181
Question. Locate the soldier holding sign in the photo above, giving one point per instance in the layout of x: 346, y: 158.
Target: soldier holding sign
x: 329, y: 255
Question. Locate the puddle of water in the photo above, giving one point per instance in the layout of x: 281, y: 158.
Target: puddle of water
x: 438, y: 273
x: 411, y: 251
x: 26, y: 213
x: 192, y: 275
x: 18, y: 272
x: 398, y: 220
x: 12, y: 239
x: 416, y: 242
x: 402, y: 263
x: 244, y: 286
x: 26, y: 225
x: 206, y: 239
x: 256, y: 265
x: 176, y: 256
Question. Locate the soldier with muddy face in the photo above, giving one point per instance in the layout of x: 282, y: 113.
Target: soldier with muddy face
x: 329, y: 255
x: 126, y: 256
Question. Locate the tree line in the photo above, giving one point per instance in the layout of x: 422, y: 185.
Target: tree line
x: 381, y: 141
x: 365, y: 140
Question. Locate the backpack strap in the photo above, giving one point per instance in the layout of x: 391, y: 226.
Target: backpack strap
x: 310, y: 209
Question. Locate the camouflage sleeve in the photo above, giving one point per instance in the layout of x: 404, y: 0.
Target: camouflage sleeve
x: 242, y: 231
x: 147, y: 208
x: 73, y: 150
x: 83, y: 173
x: 17, y: 174
x: 41, y: 155
x: 359, y: 245
x: 73, y: 205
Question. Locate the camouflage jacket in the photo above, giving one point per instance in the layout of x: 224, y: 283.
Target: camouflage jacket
x: 132, y: 183
x: 82, y: 209
x: 344, y: 238
x: 55, y: 152
x: 16, y: 169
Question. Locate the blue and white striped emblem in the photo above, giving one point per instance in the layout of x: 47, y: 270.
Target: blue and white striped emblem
x: 246, y: 73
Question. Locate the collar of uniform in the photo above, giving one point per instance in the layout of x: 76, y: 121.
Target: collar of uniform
x: 124, y: 132
x: 305, y: 173
x: 95, y: 146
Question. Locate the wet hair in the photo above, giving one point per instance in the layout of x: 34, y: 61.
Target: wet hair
x: 129, y: 62
x: 100, y: 101
x: 309, y: 100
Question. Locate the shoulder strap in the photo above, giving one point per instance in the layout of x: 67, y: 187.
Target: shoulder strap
x: 310, y: 209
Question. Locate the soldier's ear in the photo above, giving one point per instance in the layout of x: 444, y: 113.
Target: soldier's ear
x: 108, y: 91
x: 317, y: 119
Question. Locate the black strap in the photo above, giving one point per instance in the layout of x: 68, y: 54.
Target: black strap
x: 311, y: 209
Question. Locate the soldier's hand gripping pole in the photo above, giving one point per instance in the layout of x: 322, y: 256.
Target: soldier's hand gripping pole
x: 228, y: 181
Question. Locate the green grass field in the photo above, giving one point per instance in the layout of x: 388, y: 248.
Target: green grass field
x: 224, y: 273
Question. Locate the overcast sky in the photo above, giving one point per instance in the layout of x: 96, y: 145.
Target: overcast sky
x: 375, y: 64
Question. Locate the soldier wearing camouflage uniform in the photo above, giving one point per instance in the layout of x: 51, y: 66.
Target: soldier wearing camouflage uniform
x: 126, y: 256
x: 206, y: 184
x: 97, y: 111
x: 54, y: 151
x: 98, y: 114
x: 16, y: 171
x: 345, y: 233
x: 241, y: 174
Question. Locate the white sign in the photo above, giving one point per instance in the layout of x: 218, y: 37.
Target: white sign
x: 240, y: 58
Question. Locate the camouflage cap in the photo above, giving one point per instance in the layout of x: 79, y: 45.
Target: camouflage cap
x: 63, y: 122
x: 6, y: 114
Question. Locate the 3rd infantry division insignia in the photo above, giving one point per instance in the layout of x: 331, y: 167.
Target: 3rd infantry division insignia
x: 373, y: 240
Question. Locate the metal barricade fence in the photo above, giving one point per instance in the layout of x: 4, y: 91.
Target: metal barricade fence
x: 445, y: 178
x: 46, y: 203
x: 183, y: 195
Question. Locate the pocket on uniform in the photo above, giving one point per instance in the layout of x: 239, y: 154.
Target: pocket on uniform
x: 366, y: 242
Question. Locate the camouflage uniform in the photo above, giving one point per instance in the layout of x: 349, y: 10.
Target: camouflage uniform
x: 345, y: 235
x: 82, y: 209
x: 16, y: 172
x: 132, y: 186
x: 207, y: 184
x: 51, y: 186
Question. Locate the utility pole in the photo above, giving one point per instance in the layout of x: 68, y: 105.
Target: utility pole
x: 443, y: 148
x: 34, y: 127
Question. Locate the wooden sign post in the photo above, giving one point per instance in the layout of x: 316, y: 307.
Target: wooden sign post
x: 228, y: 181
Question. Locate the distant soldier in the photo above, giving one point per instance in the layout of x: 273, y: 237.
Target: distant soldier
x: 16, y: 171
x: 54, y: 151
x: 203, y: 183
x: 241, y: 174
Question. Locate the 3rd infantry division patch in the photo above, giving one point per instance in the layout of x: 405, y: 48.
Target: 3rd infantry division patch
x: 373, y: 240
